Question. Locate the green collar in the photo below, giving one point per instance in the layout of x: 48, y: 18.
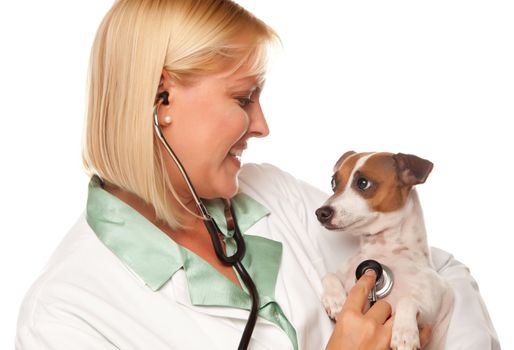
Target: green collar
x: 155, y: 257
x: 141, y: 245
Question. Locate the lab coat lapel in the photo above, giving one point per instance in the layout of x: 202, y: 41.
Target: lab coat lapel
x: 181, y: 293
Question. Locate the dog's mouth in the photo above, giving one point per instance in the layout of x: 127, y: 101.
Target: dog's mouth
x: 331, y: 227
x: 345, y: 227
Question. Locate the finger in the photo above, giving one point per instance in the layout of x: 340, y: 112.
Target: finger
x: 389, y: 324
x: 386, y: 334
x: 424, y: 334
x: 358, y: 295
x: 379, y: 312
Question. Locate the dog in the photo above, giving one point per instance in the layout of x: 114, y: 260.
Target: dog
x: 375, y: 199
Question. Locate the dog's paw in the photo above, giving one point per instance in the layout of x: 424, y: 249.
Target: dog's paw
x: 333, y: 296
x: 405, y: 336
x: 333, y: 303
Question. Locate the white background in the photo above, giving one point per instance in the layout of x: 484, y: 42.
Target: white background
x: 432, y: 78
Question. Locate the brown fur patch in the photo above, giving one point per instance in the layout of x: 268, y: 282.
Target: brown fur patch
x: 341, y: 160
x: 381, y: 238
x: 345, y: 170
x: 375, y: 239
x: 386, y: 193
x: 397, y: 251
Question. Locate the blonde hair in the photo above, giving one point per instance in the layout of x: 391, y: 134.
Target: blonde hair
x: 135, y: 41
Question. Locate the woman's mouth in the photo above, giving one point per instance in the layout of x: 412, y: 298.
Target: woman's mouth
x: 235, y: 154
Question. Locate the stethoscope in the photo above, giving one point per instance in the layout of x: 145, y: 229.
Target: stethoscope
x: 384, y: 280
x: 215, y: 233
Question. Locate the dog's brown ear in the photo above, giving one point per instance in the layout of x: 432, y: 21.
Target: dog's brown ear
x: 412, y: 170
x: 341, y: 160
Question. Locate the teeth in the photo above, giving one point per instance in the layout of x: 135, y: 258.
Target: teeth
x: 236, y: 152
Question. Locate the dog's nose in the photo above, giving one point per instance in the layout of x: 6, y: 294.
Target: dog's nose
x: 324, y: 214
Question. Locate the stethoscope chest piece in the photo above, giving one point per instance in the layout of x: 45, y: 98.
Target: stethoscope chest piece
x: 384, y: 282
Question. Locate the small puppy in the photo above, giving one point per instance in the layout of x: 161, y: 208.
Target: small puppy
x: 374, y: 199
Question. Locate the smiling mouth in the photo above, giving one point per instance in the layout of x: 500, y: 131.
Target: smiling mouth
x: 237, y: 151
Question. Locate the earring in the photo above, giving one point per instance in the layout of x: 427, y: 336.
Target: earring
x: 168, y: 119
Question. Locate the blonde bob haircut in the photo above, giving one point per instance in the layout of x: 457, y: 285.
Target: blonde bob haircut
x: 135, y: 41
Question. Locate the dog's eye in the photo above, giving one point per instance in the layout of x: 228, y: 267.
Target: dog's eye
x: 363, y: 183
x: 334, y: 183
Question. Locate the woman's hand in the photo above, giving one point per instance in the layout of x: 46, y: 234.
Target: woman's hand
x: 359, y: 330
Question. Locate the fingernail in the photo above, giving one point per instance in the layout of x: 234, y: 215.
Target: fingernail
x: 370, y: 272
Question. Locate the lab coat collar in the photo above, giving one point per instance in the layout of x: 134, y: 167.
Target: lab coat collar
x: 246, y: 209
x: 143, y: 247
x: 155, y: 257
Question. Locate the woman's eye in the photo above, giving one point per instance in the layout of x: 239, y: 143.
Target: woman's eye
x: 334, y: 184
x: 244, y: 101
x: 363, y: 183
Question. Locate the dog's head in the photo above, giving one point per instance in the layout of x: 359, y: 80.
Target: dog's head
x: 371, y: 191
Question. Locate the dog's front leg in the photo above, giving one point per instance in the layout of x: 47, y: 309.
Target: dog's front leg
x: 334, y: 294
x: 405, y: 325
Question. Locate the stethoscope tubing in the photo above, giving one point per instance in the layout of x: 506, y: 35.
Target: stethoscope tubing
x: 203, y: 210
x: 234, y: 260
x: 252, y: 318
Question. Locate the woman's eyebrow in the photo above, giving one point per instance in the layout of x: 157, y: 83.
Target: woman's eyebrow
x: 258, y: 81
x: 245, y: 87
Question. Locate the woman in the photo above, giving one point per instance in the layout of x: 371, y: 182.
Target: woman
x: 138, y: 270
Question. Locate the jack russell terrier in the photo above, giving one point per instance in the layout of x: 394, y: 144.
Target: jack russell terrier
x: 374, y: 199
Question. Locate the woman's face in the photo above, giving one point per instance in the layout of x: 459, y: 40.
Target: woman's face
x: 212, y: 122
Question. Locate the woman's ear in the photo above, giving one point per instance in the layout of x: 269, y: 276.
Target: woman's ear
x: 166, y: 82
x: 163, y: 98
x: 166, y: 85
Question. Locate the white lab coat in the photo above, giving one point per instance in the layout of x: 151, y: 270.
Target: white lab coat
x: 86, y: 298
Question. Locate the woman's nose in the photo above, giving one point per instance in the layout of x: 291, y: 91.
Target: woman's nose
x: 258, y: 126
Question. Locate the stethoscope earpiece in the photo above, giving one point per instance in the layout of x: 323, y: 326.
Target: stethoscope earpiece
x: 384, y: 282
x: 165, y: 95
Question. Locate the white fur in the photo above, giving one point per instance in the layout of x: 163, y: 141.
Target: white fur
x: 396, y: 239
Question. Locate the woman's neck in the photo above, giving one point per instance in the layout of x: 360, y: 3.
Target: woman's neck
x: 195, y: 238
x: 146, y: 209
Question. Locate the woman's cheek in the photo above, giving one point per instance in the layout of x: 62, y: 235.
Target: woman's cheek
x: 243, y: 122
x: 233, y: 127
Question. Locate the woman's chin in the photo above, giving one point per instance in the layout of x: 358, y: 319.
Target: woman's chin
x: 230, y: 191
x: 226, y: 187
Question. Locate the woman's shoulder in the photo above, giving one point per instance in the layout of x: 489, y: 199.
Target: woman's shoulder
x: 70, y: 251
x: 79, y: 264
x: 269, y: 177
x: 58, y: 307
x: 268, y: 184
x: 260, y: 171
x: 271, y: 183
